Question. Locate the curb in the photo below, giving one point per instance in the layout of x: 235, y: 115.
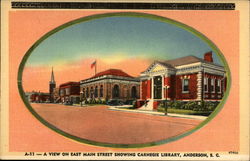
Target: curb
x: 160, y: 113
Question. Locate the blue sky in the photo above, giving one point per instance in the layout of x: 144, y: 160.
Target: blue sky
x: 129, y: 37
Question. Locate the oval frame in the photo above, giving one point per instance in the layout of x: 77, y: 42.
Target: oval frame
x: 124, y: 14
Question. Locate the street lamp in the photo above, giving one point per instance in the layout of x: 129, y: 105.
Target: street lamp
x: 81, y: 94
x: 166, y: 105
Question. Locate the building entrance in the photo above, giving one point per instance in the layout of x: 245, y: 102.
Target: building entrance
x: 157, y: 87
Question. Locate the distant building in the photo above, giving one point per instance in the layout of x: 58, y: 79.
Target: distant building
x: 187, y: 79
x: 28, y: 95
x: 110, y: 84
x: 70, y: 92
x: 52, y: 86
x: 56, y: 95
x: 39, y: 97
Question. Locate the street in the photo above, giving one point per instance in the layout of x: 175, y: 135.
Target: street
x: 98, y: 123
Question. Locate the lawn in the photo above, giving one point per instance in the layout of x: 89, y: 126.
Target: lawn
x: 187, y: 112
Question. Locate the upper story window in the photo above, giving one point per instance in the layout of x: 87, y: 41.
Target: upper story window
x: 212, y: 85
x: 67, y: 91
x: 185, y: 85
x: 205, y: 84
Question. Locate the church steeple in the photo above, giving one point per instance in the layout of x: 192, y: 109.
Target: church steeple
x: 52, y: 86
x: 52, y: 79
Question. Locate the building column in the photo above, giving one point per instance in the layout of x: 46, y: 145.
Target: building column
x: 162, y: 89
x: 222, y: 86
x: 152, y: 88
x: 140, y: 89
x: 105, y: 90
x: 199, y: 86
x: 148, y: 88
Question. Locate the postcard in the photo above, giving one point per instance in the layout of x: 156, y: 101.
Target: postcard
x: 86, y: 80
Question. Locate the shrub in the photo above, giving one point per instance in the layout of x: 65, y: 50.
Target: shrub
x: 99, y: 101
x: 92, y: 101
x: 207, y: 106
x: 178, y: 104
x: 85, y: 101
x: 134, y: 103
x: 104, y: 102
x: 161, y: 109
x: 190, y: 105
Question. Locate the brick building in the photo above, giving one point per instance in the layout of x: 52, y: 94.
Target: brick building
x: 70, y: 92
x: 110, y: 84
x: 187, y: 79
x: 56, y: 95
x: 39, y: 97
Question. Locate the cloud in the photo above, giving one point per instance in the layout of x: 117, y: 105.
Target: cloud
x: 114, y: 58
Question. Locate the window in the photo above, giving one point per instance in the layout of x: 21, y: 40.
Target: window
x: 96, y: 92
x: 67, y: 91
x: 185, y: 84
x: 212, y: 85
x: 133, y: 92
x: 91, y: 92
x: 101, y: 91
x: 205, y: 84
x: 218, y: 86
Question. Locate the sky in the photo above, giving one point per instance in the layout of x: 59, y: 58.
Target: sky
x: 127, y: 43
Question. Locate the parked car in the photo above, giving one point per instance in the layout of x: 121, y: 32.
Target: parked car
x: 68, y: 103
x: 129, y: 102
x: 115, y: 103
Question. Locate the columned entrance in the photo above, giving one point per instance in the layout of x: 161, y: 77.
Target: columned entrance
x: 157, y: 87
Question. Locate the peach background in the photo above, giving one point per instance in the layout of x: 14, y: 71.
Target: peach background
x: 26, y: 133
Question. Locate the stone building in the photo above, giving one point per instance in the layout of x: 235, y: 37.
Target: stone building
x: 187, y: 79
x: 110, y: 84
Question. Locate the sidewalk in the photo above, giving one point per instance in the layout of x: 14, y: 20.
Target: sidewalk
x: 159, y: 113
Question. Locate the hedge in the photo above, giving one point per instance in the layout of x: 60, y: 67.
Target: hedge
x: 190, y: 105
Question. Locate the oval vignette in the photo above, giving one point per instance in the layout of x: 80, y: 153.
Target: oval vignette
x: 127, y: 16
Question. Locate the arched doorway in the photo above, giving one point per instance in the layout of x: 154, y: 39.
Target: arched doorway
x: 96, y: 92
x: 116, y: 92
x: 101, y: 91
x: 87, y: 92
x: 133, y: 92
x: 91, y: 92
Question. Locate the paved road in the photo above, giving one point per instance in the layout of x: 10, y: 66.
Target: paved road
x: 97, y: 123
